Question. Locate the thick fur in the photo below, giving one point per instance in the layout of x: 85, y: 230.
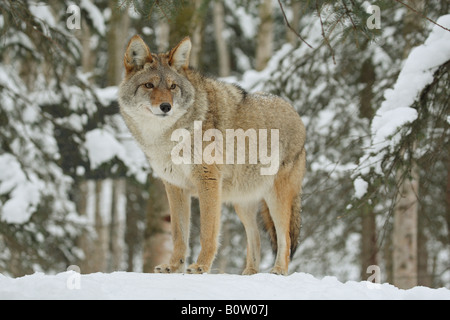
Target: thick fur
x: 154, y: 80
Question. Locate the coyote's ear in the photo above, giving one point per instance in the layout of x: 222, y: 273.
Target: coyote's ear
x: 136, y: 55
x: 179, y: 56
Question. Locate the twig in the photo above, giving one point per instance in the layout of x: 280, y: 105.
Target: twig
x: 290, y: 27
x: 422, y: 15
x: 323, y: 34
x: 162, y: 10
x: 347, y: 12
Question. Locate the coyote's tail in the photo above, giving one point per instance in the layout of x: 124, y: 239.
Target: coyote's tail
x: 294, y: 227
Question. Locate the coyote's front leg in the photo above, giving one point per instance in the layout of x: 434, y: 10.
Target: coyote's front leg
x: 180, y: 211
x: 209, y: 195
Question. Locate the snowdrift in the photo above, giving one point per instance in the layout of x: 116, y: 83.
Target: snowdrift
x: 128, y: 285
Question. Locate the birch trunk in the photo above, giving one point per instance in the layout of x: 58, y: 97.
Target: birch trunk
x: 85, y: 208
x: 292, y: 38
x: 118, y: 224
x: 197, y: 34
x: 117, y: 35
x: 405, y: 231
x: 404, y: 241
x: 100, y: 255
x: 222, y: 50
x: 264, y: 40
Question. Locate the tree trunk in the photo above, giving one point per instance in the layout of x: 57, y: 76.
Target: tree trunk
x: 292, y: 38
x: 222, y: 50
x: 447, y: 215
x: 189, y: 20
x: 369, y: 247
x: 367, y: 77
x: 135, y: 207
x: 87, y: 56
x: 404, y: 241
x: 102, y: 225
x: 412, y: 24
x: 162, y: 35
x: 405, y: 231
x: 264, y: 48
x: 86, y: 208
x: 423, y: 275
x: 95, y: 241
x: 197, y: 34
x: 117, y: 33
x: 387, y: 254
x: 118, y: 224
x: 158, y: 245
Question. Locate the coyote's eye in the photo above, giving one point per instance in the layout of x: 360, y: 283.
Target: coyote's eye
x: 149, y: 85
x: 173, y: 86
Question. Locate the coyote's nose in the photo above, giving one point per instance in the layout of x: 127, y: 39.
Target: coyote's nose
x: 165, y: 107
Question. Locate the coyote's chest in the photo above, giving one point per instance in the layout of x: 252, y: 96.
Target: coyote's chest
x: 155, y: 140
x: 161, y: 162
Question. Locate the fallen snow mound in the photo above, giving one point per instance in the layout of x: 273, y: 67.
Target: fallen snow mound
x: 129, y: 285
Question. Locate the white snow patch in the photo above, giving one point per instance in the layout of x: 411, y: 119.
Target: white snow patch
x: 128, y: 285
x: 395, y: 111
x: 417, y: 72
x: 96, y: 16
x: 360, y: 186
x: 42, y: 11
x: 107, y: 95
x: 24, y: 194
x: 102, y: 147
x: 253, y: 80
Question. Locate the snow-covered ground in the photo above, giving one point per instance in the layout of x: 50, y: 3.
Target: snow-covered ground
x: 263, y: 286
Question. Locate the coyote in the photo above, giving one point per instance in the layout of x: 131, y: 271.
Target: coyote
x: 161, y: 94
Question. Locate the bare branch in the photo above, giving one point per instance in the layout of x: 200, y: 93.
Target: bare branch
x: 422, y: 15
x: 323, y: 34
x: 290, y: 27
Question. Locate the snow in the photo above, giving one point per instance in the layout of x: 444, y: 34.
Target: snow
x: 360, y: 187
x: 396, y: 110
x: 102, y: 147
x: 96, y: 16
x: 107, y: 95
x: 251, y: 79
x: 262, y: 286
x: 42, y: 11
x: 417, y: 72
x: 247, y: 21
x: 24, y: 193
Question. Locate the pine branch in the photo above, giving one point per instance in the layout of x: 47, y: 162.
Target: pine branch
x: 167, y: 8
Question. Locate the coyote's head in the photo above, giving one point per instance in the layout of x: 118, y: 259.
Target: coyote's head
x: 155, y: 87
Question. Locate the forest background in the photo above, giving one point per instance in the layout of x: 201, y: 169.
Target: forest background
x: 370, y: 80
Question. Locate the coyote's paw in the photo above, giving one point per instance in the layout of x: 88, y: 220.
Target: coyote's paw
x: 278, y: 270
x: 197, y: 268
x: 169, y: 268
x: 249, y: 271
